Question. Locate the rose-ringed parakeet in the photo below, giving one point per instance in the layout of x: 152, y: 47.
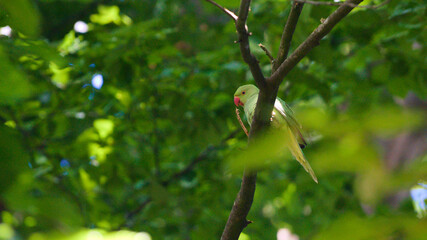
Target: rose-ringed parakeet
x: 282, y: 119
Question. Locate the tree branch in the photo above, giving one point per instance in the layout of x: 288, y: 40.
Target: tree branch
x: 242, y: 30
x: 288, y: 32
x: 134, y: 212
x: 343, y: 3
x: 237, y: 220
x: 202, y: 156
x: 268, y: 91
x: 266, y: 52
x: 311, y: 42
x: 245, y: 50
x: 225, y: 10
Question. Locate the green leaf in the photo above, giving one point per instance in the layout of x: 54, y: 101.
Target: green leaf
x: 107, y: 14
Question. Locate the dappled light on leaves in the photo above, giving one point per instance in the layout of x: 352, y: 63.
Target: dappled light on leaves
x: 104, y: 127
x: 71, y: 43
x: 244, y: 236
x: 110, y: 14
x: 94, y: 234
x: 88, y: 184
x: 60, y: 76
x: 6, y: 231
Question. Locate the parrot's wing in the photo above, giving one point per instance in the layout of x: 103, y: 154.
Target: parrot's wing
x: 288, y: 115
x: 299, y: 155
x: 293, y: 129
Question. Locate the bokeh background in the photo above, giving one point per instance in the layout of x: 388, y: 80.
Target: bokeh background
x: 117, y: 122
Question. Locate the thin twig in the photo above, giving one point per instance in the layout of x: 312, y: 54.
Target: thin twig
x: 245, y: 50
x: 343, y: 3
x: 241, y: 123
x: 134, y: 212
x: 225, y: 10
x: 204, y: 155
x: 201, y: 157
x: 288, y: 32
x: 266, y: 52
x: 243, y: 32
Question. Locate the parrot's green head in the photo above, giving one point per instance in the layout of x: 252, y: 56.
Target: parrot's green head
x: 243, y: 93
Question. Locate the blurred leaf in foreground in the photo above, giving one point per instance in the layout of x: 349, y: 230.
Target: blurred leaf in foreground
x: 23, y: 16
x: 94, y: 234
x: 14, y: 158
x: 14, y: 85
x: 353, y: 227
x: 266, y: 150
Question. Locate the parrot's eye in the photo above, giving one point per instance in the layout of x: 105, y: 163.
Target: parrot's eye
x: 243, y: 92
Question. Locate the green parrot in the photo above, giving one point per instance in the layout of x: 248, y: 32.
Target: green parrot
x: 282, y: 118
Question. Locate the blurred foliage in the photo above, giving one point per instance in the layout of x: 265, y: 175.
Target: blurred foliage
x: 150, y: 151
x: 419, y: 199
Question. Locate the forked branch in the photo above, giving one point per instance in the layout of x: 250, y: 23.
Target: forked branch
x: 225, y: 10
x: 288, y: 32
x: 312, y: 41
x: 237, y: 219
x: 268, y: 91
x: 245, y: 50
x: 343, y: 3
x: 243, y: 32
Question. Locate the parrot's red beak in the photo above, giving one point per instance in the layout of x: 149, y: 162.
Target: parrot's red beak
x: 237, y: 101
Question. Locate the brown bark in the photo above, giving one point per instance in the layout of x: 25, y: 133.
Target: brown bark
x: 268, y: 92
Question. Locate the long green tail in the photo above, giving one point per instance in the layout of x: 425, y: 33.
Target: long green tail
x: 298, y: 154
